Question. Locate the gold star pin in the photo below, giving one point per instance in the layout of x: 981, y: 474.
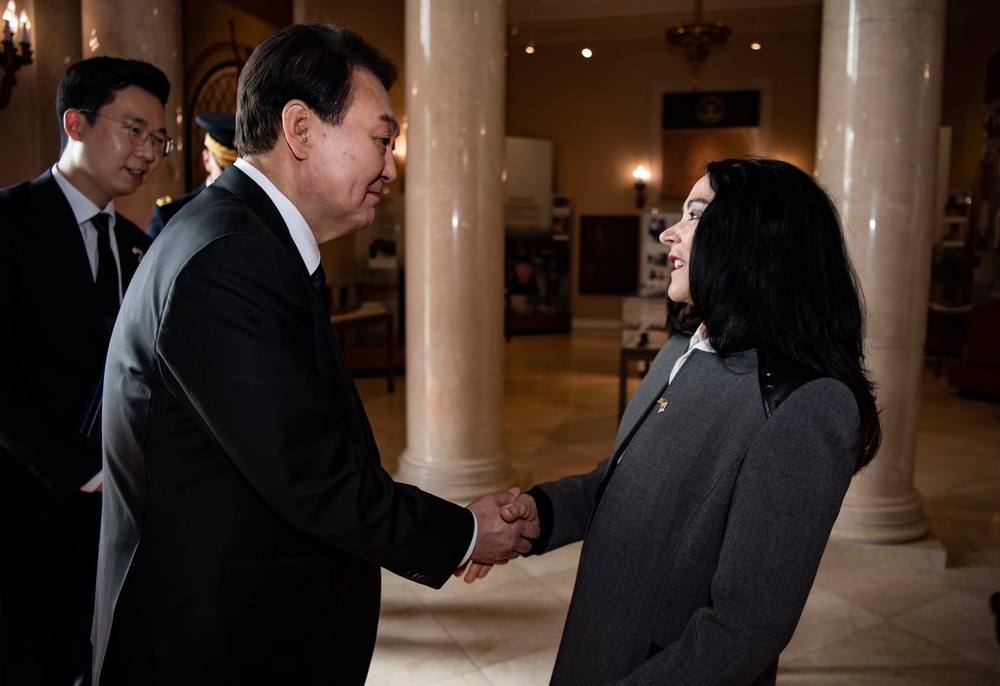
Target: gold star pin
x: 662, y: 402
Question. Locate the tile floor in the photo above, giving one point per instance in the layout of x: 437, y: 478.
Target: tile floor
x: 869, y: 621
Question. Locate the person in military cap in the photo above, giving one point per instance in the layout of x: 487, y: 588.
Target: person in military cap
x: 219, y: 152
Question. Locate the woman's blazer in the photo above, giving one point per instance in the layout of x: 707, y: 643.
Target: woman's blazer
x: 704, y: 530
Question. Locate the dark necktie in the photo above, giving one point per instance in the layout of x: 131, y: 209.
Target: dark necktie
x: 107, y: 271
x: 319, y: 285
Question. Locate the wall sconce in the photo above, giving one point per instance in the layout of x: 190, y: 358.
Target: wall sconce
x: 10, y: 59
x: 641, y: 176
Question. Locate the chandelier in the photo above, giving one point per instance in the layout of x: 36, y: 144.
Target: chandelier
x: 15, y: 27
x: 697, y: 38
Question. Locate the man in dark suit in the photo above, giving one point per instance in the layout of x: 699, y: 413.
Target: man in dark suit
x: 66, y: 258
x: 218, y: 153
x: 246, y: 513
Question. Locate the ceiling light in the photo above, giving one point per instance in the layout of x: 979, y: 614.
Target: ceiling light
x: 698, y: 38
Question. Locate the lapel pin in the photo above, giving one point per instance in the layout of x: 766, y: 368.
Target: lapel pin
x: 662, y: 402
x: 138, y: 254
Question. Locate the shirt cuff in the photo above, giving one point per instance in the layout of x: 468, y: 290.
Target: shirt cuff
x: 472, y: 546
x: 92, y: 485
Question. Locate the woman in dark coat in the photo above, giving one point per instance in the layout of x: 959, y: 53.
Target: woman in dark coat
x: 704, y: 529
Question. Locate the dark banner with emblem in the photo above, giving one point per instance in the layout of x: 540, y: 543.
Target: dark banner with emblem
x: 711, y: 110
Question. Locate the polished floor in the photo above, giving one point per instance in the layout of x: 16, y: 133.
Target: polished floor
x: 875, y: 616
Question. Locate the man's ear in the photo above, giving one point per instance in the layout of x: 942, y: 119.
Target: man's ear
x: 72, y: 121
x: 296, y: 123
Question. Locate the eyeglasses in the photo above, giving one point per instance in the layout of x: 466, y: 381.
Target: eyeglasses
x: 162, y: 144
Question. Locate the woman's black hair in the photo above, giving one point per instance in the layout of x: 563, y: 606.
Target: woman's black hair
x: 769, y: 269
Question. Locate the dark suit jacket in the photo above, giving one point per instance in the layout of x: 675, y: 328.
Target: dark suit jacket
x: 52, y: 337
x: 699, y: 556
x: 165, y: 212
x: 52, y: 346
x: 245, y: 510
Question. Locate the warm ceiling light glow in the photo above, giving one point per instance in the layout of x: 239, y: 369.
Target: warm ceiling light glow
x: 755, y: 46
x: 530, y: 49
x: 587, y: 52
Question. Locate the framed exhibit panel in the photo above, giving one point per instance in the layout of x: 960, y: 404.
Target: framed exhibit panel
x: 654, y: 269
x: 609, y: 254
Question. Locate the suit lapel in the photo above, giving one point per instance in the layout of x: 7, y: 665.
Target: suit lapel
x: 247, y: 190
x: 129, y: 254
x: 649, y: 391
x: 243, y: 187
x: 66, y: 257
x: 55, y: 222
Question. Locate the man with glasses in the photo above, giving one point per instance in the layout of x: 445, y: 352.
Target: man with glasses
x: 66, y: 259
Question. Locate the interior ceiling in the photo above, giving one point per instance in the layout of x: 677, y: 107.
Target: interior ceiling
x: 563, y: 20
x: 537, y: 10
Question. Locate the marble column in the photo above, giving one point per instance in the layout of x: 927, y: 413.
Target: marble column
x: 881, y: 76
x: 151, y: 32
x: 455, y: 87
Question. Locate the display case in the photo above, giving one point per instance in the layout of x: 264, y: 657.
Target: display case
x: 538, y: 226
x: 537, y: 282
x: 367, y: 309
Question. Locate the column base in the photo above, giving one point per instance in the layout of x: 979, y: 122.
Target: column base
x: 927, y: 553
x: 460, y: 482
x: 898, y: 521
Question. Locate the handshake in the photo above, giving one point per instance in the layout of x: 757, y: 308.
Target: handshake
x: 508, y: 521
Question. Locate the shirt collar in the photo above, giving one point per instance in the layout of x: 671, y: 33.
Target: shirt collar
x: 302, y: 235
x: 82, y: 206
x: 701, y: 341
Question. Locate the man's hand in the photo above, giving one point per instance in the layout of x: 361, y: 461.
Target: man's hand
x: 516, y: 510
x: 499, y: 539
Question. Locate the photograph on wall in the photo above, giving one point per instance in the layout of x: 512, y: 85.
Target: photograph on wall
x: 698, y: 127
x: 562, y: 217
x: 654, y: 268
x: 956, y: 217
